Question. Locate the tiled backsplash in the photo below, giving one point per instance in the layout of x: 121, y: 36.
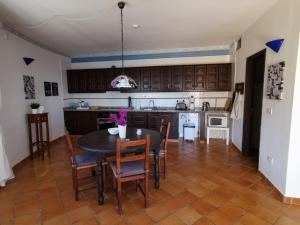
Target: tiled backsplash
x: 161, y: 99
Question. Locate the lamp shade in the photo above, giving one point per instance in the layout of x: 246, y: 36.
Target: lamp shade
x: 123, y: 81
x: 275, y: 45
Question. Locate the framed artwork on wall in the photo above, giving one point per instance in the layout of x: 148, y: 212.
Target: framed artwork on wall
x: 29, y: 88
x: 54, y: 89
x: 275, y: 81
x: 47, y: 87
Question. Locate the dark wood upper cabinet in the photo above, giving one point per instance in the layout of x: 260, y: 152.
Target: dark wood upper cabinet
x: 200, y: 77
x: 176, y: 82
x: 155, y: 78
x: 188, y: 78
x: 166, y: 78
x: 224, y: 77
x: 145, y: 79
x: 212, y: 77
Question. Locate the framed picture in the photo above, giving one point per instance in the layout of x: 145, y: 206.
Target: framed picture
x: 54, y: 89
x: 47, y: 87
x: 29, y: 88
x: 275, y: 81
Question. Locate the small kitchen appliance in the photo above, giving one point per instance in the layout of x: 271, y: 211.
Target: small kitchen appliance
x: 192, y: 103
x: 205, y: 106
x: 217, y: 120
x: 181, y: 105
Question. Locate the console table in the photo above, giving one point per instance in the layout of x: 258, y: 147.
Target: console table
x: 39, y: 121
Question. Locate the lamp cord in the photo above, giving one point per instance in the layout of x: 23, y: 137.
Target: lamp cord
x: 122, y: 41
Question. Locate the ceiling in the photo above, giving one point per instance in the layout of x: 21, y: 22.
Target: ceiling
x: 92, y: 27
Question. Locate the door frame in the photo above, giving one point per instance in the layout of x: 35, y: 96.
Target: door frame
x: 247, y: 101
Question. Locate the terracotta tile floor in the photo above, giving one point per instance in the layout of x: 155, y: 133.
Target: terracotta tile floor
x: 205, y: 185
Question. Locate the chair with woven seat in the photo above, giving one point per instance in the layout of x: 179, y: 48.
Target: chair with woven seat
x: 164, y: 131
x: 131, y: 168
x: 79, y: 163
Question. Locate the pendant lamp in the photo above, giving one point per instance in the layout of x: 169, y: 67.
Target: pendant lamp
x: 123, y: 81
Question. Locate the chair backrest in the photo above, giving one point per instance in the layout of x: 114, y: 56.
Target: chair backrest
x: 122, y: 145
x: 165, y: 131
x: 69, y: 142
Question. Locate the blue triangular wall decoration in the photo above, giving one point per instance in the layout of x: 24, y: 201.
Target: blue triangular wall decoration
x: 275, y: 45
x: 28, y: 60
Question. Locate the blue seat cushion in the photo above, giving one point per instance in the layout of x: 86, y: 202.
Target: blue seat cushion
x: 129, y: 168
x: 87, y: 159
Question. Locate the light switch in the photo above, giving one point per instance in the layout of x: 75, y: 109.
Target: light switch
x: 269, y: 111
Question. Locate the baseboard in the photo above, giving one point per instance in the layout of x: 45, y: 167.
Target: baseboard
x: 21, y: 164
x: 284, y: 199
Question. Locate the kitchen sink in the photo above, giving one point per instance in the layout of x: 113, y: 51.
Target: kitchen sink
x: 149, y: 108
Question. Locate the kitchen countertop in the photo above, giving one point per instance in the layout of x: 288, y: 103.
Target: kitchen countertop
x: 159, y: 109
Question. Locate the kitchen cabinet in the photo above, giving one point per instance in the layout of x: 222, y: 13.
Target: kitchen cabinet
x: 145, y: 80
x: 155, y: 79
x: 200, y: 77
x: 188, y: 78
x: 137, y: 119
x: 80, y: 122
x: 154, y: 120
x: 212, y: 77
x: 85, y: 81
x: 224, y: 82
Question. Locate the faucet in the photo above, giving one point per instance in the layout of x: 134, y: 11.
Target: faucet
x: 149, y: 104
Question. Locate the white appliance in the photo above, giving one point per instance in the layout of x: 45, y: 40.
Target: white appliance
x: 185, y: 118
x: 189, y: 131
x: 217, y: 120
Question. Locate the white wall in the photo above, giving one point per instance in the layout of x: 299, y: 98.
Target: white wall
x: 13, y: 106
x: 278, y: 22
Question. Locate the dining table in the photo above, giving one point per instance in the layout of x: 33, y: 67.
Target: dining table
x: 103, y: 145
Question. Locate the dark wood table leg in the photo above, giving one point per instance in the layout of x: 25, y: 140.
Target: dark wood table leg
x: 156, y: 169
x: 100, y: 181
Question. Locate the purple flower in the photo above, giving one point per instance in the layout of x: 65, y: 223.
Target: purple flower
x: 122, y: 121
x: 123, y: 113
x: 113, y: 117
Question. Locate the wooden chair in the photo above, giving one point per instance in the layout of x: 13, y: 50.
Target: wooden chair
x: 164, y: 131
x: 79, y: 163
x: 131, y: 168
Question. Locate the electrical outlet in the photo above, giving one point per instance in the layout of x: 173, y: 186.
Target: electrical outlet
x: 269, y: 111
x: 270, y: 160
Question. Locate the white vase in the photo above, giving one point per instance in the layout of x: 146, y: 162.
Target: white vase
x: 41, y: 109
x: 34, y: 111
x: 122, y: 131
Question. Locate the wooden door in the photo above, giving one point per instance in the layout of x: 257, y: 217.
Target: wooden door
x: 173, y: 119
x: 212, y: 77
x: 224, y: 77
x: 200, y: 74
x: 188, y: 78
x: 155, y: 78
x: 166, y: 78
x: 145, y: 79
x: 177, y: 78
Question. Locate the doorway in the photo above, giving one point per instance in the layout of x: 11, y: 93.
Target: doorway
x: 254, y: 86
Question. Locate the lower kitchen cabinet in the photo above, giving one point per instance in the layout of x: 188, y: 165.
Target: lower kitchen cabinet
x: 137, y: 119
x: 79, y: 123
x: 154, y: 120
x: 82, y: 122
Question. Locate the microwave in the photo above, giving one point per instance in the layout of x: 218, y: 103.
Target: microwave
x: 217, y: 121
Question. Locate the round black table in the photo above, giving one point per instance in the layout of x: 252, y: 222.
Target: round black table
x: 104, y: 145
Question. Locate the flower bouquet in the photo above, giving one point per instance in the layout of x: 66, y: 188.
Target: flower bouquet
x: 121, y: 122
